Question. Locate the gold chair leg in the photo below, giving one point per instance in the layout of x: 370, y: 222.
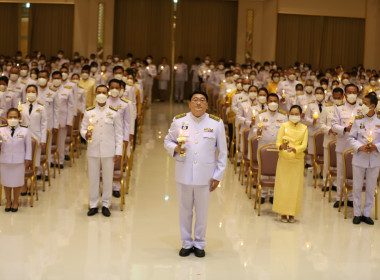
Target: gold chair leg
x: 59, y: 164
x: 48, y: 171
x: 36, y: 186
x: 43, y: 177
x: 259, y: 201
x: 345, y: 203
x: 341, y: 198
x: 330, y: 187
x: 375, y: 204
x: 127, y: 176
x: 324, y: 191
x: 240, y: 169
x: 31, y: 193
x: 235, y: 161
x: 1, y: 193
x: 54, y: 165
x: 256, y: 192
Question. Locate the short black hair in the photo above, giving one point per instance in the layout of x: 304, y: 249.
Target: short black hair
x: 33, y: 86
x: 44, y: 71
x: 273, y: 95
x: 117, y: 67
x: 351, y: 85
x: 57, y: 73
x: 199, y: 92
x: 263, y: 89
x: 86, y: 68
x: 100, y: 86
x: 4, y: 78
x: 338, y: 89
x: 14, y: 110
x: 296, y: 106
x: 114, y: 81
x: 372, y: 97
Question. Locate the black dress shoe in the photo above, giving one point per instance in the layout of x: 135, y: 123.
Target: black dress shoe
x: 367, y: 220
x: 350, y: 204
x: 92, y: 212
x: 67, y: 157
x: 336, y: 204
x: 14, y: 209
x: 356, y: 220
x: 185, y: 252
x: 307, y: 165
x: 271, y: 200
x: 39, y: 177
x: 238, y: 164
x: 8, y: 209
x: 262, y: 200
x: 46, y: 178
x: 51, y: 165
x: 333, y: 188
x: 24, y: 194
x: 323, y: 189
x: 61, y: 166
x: 106, y: 212
x: 116, y: 193
x: 200, y: 253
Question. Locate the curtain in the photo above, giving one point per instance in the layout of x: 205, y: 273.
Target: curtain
x: 321, y: 41
x: 9, y: 25
x: 51, y: 28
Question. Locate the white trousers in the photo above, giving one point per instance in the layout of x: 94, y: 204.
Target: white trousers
x: 195, y: 86
x: 61, y: 144
x: 179, y: 92
x: 339, y: 177
x: 190, y: 197
x: 326, y: 166
x: 95, y: 165
x: 148, y: 92
x: 116, y: 186
x: 370, y: 175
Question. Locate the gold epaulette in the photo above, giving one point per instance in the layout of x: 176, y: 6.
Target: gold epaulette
x: 23, y: 125
x: 244, y: 101
x: 312, y: 101
x: 254, y: 104
x: 23, y: 82
x: 262, y: 111
x: 68, y: 87
x: 299, y: 94
x: 180, y: 116
x: 282, y: 112
x: 90, y: 108
x: 125, y: 99
x: 329, y: 104
x: 214, y: 117
x: 53, y: 89
x: 340, y: 104
x: 42, y: 104
x: 3, y: 125
x: 359, y: 117
x: 23, y: 102
x: 113, y: 108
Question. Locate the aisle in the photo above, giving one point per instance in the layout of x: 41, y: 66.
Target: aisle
x: 56, y: 240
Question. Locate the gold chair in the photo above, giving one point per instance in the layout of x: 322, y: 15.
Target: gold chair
x: 126, y: 169
x: 244, y: 153
x: 348, y: 183
x: 268, y: 157
x: 253, y: 165
x: 44, y: 160
x: 30, y: 174
x: 54, y: 150
x: 238, y: 148
x: 332, y: 167
x: 318, y: 154
x: 69, y: 141
x: 76, y: 132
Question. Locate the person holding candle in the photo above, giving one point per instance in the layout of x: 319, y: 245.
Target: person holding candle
x: 199, y: 172
x: 150, y: 72
x: 273, y: 84
x: 289, y: 88
x: 104, y: 150
x: 180, y: 77
x: 271, y: 119
x: 164, y: 78
x: 364, y: 138
x: 341, y: 124
x: 290, y: 166
x: 371, y: 87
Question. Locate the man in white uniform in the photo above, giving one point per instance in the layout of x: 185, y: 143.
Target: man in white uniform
x: 180, y: 74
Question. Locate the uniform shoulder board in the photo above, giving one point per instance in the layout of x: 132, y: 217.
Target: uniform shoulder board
x: 254, y: 104
x: 23, y: 82
x: 53, y: 89
x: 90, y: 108
x: 329, y: 104
x: 3, y: 125
x: 340, y: 104
x: 124, y: 99
x: 42, y: 104
x: 68, y: 87
x: 180, y: 116
x: 23, y: 102
x: 80, y: 87
x: 282, y: 112
x: 113, y: 108
x: 244, y: 101
x: 262, y: 111
x: 23, y: 125
x: 360, y: 104
x: 359, y: 117
x: 312, y: 101
x: 214, y: 117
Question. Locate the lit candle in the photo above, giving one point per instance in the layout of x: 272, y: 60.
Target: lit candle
x: 19, y: 106
x: 253, y: 115
x: 181, y: 141
x: 162, y: 67
x: 369, y: 139
x: 260, y: 125
x: 209, y: 70
x: 286, y: 132
x: 315, y: 115
x: 90, y: 129
x: 175, y: 67
x: 305, y: 107
x: 352, y: 118
x: 147, y: 68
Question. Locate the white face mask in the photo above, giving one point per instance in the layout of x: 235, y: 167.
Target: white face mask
x: 84, y: 76
x: 345, y: 82
x: 324, y: 86
x: 351, y: 98
x: 276, y: 79
x: 116, y: 59
x: 130, y: 81
x: 239, y: 86
x: 292, y: 77
x: 294, y: 118
x: 103, y: 68
x: 372, y: 82
x: 235, y: 76
x: 221, y: 67
x: 9, y: 68
x: 3, y: 88
x: 64, y: 76
x: 337, y: 101
x: 230, y: 79
x: 14, y: 77
x: 42, y: 82
x: 313, y: 77
x: 101, y: 98
x: 252, y: 94
x: 118, y: 76
x: 13, y: 122
x: 57, y: 82
x: 309, y: 89
x: 23, y: 73
x: 109, y: 60
x: 319, y: 97
x: 31, y: 96
x: 33, y: 76
x: 212, y: 67
x: 252, y: 77
x: 246, y: 88
x: 94, y: 69
x: 60, y: 56
x: 149, y: 60
x: 365, y: 109
x: 114, y: 92
x: 262, y: 99
x: 124, y: 79
x: 273, y: 106
x: 75, y: 81
x: 299, y: 92
x: 207, y: 61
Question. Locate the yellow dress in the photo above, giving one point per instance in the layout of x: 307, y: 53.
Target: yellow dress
x: 289, y: 173
x: 367, y: 89
x: 272, y: 87
x: 89, y: 86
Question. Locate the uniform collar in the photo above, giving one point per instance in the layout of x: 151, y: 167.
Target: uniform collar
x: 198, y: 120
x: 101, y: 109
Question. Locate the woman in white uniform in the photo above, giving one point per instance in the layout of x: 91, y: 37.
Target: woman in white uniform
x: 15, y: 157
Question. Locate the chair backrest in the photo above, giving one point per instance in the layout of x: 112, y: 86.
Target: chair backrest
x: 331, y: 147
x: 245, y: 141
x: 347, y: 164
x: 34, y: 151
x: 254, y: 142
x: 118, y: 166
x: 48, y: 139
x: 224, y: 113
x: 238, y: 140
x: 69, y: 133
x: 77, y: 120
x: 268, y: 157
x: 55, y: 138
x: 318, y: 143
x: 3, y: 120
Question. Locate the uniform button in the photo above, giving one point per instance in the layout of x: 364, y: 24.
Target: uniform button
x: 196, y: 153
x: 195, y: 162
x: 101, y: 126
x: 101, y: 133
x: 101, y: 140
x: 197, y: 132
x: 196, y: 142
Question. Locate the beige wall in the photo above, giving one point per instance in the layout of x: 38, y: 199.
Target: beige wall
x: 265, y: 23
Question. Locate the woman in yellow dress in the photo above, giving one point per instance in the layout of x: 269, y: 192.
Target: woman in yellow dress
x: 292, y: 142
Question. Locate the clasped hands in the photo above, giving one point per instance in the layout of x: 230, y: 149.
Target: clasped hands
x: 368, y: 148
x: 285, y: 146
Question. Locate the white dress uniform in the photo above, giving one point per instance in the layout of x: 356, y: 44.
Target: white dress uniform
x: 342, y: 116
x: 130, y: 94
x: 14, y: 151
x: 180, y: 77
x: 216, y: 79
x: 164, y: 72
x: 65, y: 112
x: 195, y: 78
x: 204, y: 136
x: 107, y: 141
x: 312, y: 108
x: 47, y: 97
x: 81, y: 99
x: 36, y: 121
x: 244, y: 115
x: 16, y: 89
x: 365, y: 166
x: 151, y: 72
x: 98, y: 78
x: 236, y: 100
x: 324, y: 121
x: 3, y: 111
x: 25, y: 81
x: 74, y: 88
x: 289, y: 88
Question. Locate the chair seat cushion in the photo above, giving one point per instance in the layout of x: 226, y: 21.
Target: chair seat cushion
x: 267, y: 182
x: 319, y: 160
x: 255, y: 167
x: 29, y: 173
x: 68, y: 140
x: 53, y: 149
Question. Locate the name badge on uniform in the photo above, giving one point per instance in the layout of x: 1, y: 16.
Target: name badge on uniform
x: 362, y: 126
x: 20, y: 136
x: 39, y: 111
x: 265, y: 120
x: 49, y: 94
x: 93, y: 116
x: 109, y: 115
x: 185, y: 126
x: 208, y: 130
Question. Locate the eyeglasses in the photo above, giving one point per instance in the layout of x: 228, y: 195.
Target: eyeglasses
x: 196, y: 100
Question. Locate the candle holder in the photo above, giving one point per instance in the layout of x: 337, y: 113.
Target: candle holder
x: 352, y: 119
x: 90, y: 129
x: 19, y: 107
x: 283, y: 96
x: 370, y: 139
x: 315, y: 115
x: 182, y: 141
x: 260, y: 126
x: 285, y: 140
